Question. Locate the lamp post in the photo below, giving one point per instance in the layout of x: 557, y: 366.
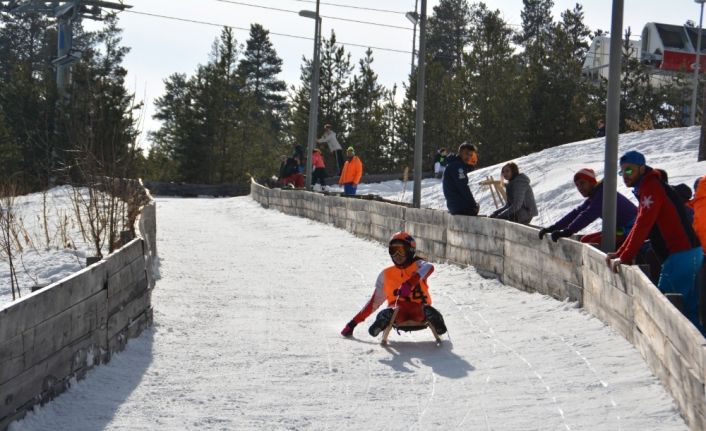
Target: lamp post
x: 697, y: 66
x: 314, y: 103
x: 610, y: 179
x: 413, y: 17
x: 419, y: 121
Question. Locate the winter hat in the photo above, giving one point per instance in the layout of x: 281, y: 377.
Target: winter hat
x: 351, y: 150
x: 586, y: 174
x: 316, y: 150
x: 633, y: 158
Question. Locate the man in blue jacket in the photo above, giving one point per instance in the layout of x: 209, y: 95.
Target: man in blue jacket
x: 590, y: 210
x: 459, y: 199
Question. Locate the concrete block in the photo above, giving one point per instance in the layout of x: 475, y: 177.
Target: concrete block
x: 477, y: 225
x: 596, y: 305
x: 475, y: 241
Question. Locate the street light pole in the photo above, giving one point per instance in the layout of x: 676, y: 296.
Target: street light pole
x: 697, y: 67
x: 419, y: 133
x: 414, y: 18
x: 314, y: 103
x: 610, y: 178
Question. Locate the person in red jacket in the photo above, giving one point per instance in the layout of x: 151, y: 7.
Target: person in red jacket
x: 661, y: 216
x: 319, y: 174
x: 403, y: 286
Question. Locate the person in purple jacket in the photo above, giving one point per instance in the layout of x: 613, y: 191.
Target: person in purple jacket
x: 590, y: 210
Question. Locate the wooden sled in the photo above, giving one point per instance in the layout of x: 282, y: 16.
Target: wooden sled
x: 408, y: 326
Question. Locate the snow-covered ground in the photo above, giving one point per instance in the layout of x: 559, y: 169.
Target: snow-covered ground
x: 247, y: 315
x: 551, y: 172
x: 52, y: 248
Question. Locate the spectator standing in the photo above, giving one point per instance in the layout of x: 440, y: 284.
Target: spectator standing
x: 590, y: 210
x: 600, y: 128
x: 459, y: 199
x: 521, y: 206
x: 329, y: 138
x: 319, y: 174
x: 661, y: 212
x: 299, y: 155
x: 440, y: 162
x: 351, y: 174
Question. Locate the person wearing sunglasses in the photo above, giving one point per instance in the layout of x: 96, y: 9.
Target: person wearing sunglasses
x: 590, y: 210
x: 662, y: 218
x: 459, y: 199
x: 404, y: 286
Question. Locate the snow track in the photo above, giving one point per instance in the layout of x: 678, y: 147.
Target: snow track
x: 247, y: 315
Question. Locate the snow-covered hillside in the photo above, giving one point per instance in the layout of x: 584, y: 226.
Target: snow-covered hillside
x: 551, y: 172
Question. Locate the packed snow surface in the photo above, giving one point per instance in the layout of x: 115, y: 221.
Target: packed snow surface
x: 247, y: 316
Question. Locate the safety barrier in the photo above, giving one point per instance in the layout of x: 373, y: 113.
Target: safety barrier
x: 60, y: 332
x: 674, y: 350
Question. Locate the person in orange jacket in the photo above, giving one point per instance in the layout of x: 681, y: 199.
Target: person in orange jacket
x: 351, y: 174
x: 403, y: 286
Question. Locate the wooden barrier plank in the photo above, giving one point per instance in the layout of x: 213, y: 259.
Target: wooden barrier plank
x: 596, y: 306
x: 50, y: 301
x: 119, y: 321
x: 683, y: 335
x: 123, y: 256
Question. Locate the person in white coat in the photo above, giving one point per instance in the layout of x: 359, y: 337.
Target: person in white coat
x: 329, y: 138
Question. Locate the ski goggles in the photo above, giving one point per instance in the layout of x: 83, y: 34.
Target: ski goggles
x: 397, y: 250
x: 627, y: 171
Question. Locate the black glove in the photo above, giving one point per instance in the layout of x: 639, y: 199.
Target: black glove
x: 544, y: 231
x: 561, y: 234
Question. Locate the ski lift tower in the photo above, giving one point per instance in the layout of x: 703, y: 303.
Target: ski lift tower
x: 66, y: 13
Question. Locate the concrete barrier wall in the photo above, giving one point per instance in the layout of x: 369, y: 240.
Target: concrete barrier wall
x: 674, y: 350
x: 63, y: 330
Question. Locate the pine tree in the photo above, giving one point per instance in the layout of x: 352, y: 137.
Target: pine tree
x: 258, y: 71
x: 449, y: 32
x: 492, y: 92
x: 368, y: 133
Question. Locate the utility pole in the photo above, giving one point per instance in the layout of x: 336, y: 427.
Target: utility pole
x: 697, y: 68
x: 419, y: 133
x: 314, y: 103
x: 610, y: 178
x: 66, y: 13
x: 414, y: 18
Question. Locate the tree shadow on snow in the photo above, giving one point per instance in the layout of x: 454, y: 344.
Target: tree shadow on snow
x: 443, y: 361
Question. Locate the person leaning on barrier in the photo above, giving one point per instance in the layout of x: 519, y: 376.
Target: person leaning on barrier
x: 590, y: 210
x: 459, y: 199
x: 521, y: 206
x: 662, y: 217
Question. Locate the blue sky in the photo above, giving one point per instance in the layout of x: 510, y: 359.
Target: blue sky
x: 161, y: 47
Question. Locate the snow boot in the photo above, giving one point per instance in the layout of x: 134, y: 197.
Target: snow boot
x: 381, y: 322
x: 348, y: 330
x: 435, y: 319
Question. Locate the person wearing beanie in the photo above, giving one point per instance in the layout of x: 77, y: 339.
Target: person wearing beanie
x: 590, y: 210
x: 662, y: 218
x: 351, y: 174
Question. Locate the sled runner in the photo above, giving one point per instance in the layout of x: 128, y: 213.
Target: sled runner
x: 408, y: 326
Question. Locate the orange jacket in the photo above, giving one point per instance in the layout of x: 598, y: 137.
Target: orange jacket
x: 699, y: 206
x: 352, y: 171
x: 390, y: 280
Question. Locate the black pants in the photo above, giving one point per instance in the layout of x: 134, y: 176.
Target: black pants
x: 319, y: 176
x: 340, y: 160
